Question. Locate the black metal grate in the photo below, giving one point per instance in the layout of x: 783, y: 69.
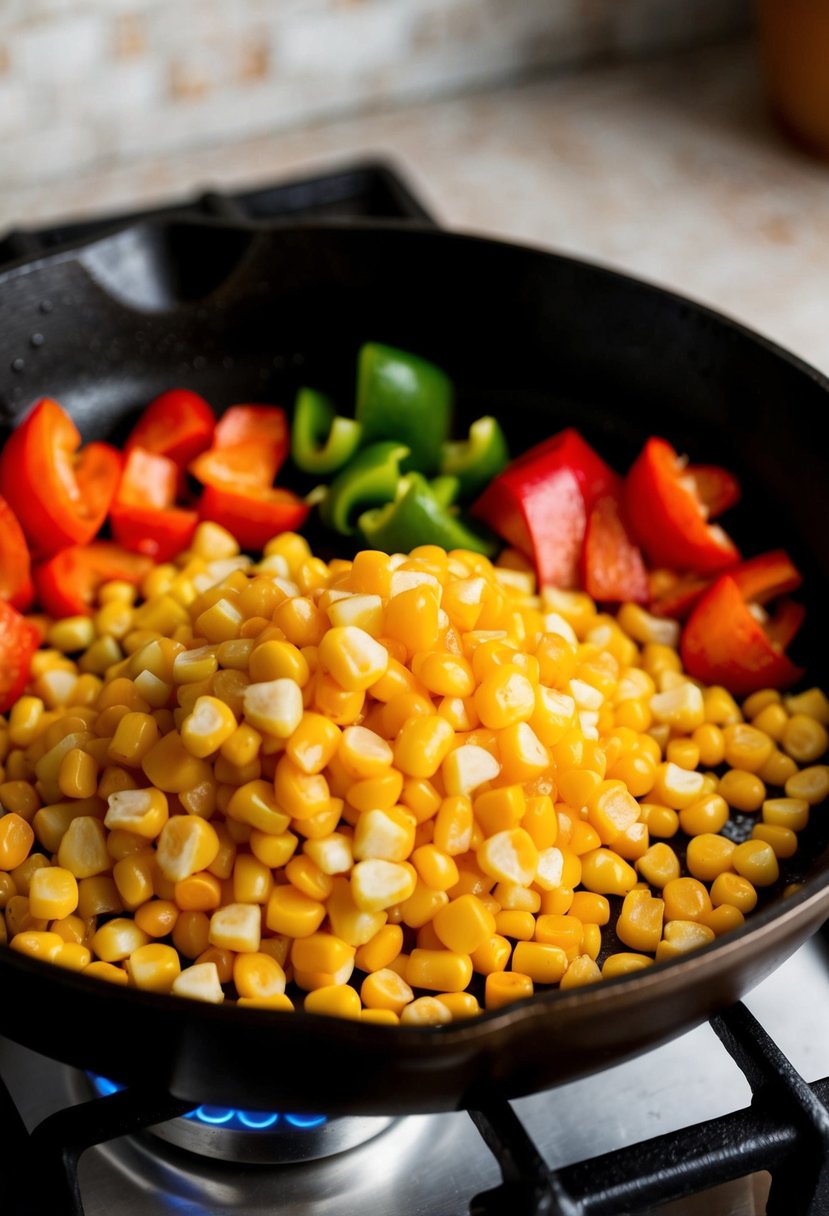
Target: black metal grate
x: 785, y: 1130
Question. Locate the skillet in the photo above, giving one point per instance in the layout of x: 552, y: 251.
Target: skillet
x: 248, y: 313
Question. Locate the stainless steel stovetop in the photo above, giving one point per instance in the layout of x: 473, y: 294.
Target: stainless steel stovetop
x: 433, y: 1165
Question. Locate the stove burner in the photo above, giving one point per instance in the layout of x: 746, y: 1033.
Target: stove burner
x: 258, y: 1137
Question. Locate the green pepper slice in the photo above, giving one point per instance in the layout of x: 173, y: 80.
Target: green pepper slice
x: 476, y: 460
x: 371, y: 478
x: 322, y: 440
x: 417, y: 517
x: 401, y: 396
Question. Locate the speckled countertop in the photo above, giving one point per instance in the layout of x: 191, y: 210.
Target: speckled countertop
x: 669, y: 169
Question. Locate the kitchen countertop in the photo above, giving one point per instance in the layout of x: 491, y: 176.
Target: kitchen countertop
x: 669, y: 169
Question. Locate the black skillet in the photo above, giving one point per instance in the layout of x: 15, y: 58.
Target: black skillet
x: 241, y: 313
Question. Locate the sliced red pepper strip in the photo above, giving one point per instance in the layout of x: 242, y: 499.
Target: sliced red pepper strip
x: 68, y: 582
x: 143, y: 517
x: 179, y: 424
x: 613, y: 569
x: 540, y: 503
x: 760, y: 579
x: 782, y: 627
x: 255, y: 515
x: 15, y: 564
x: 716, y: 488
x: 263, y: 424
x: 246, y: 464
x: 724, y: 643
x: 673, y: 594
x: 18, y: 642
x: 59, y: 491
x: 668, y: 517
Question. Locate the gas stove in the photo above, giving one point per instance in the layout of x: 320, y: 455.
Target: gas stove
x: 676, y: 1123
x: 691, y: 1127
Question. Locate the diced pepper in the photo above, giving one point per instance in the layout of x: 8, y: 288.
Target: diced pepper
x: 179, y: 424
x: 254, y: 515
x: 418, y: 517
x: 476, y: 460
x: 715, y: 487
x: 760, y: 579
x: 540, y: 503
x: 15, y: 565
x: 322, y: 440
x: 668, y: 516
x: 724, y: 643
x: 240, y: 464
x: 404, y: 398
x: 613, y: 568
x: 368, y: 480
x: 143, y: 517
x: 60, y: 492
x: 67, y: 583
x: 18, y: 642
x: 264, y: 424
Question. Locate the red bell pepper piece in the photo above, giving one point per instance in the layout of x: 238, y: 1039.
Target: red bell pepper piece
x: 179, y: 424
x: 241, y: 464
x: 541, y: 501
x: 15, y: 565
x: 716, y: 488
x: 760, y: 579
x: 143, y: 517
x: 723, y: 642
x: 68, y: 582
x: 253, y: 515
x: 674, y: 594
x: 264, y: 424
x: 18, y: 642
x: 60, y: 492
x: 612, y: 566
x: 668, y: 516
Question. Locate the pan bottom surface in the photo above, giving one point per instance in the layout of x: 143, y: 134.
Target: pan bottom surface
x: 433, y: 1165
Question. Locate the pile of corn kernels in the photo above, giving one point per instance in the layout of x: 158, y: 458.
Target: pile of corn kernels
x: 402, y: 789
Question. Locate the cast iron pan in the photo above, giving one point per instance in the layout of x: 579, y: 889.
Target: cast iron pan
x: 540, y: 340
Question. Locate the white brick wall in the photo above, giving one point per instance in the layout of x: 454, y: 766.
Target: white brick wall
x: 88, y: 82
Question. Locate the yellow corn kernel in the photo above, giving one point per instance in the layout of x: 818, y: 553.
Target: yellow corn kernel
x: 380, y: 950
x: 605, y: 873
x: 453, y: 826
x: 611, y: 810
x: 590, y: 908
x: 422, y: 905
x: 133, y: 877
x: 582, y: 970
x: 509, y: 856
x: 436, y: 868
x: 385, y: 989
x: 676, y: 787
x: 711, y: 743
x: 708, y: 814
x: 681, y: 708
x: 756, y: 861
x: 464, y: 924
x: 772, y: 720
x: 190, y: 933
x: 742, y: 790
x: 21, y: 797
x: 425, y: 1011
x: 540, y: 821
x: 778, y: 769
x: 682, y: 752
x: 18, y: 917
x: 708, y: 855
x: 422, y: 745
x: 186, y: 845
x: 291, y: 912
x: 117, y: 939
x: 313, y: 743
x: 720, y: 706
x: 811, y: 784
x: 53, y: 893
x: 379, y: 793
x: 352, y: 657
x: 157, y: 917
x: 153, y: 967
x: 322, y: 822
x: 685, y: 899
x: 805, y: 739
x: 444, y: 674
x: 304, y: 873
x: 106, y: 971
x: 504, y: 697
x: 207, y: 727
x: 523, y: 756
x: 83, y: 848
x: 782, y: 840
x: 377, y: 884
x: 332, y: 853
x: 813, y: 703
x: 170, y: 767
x: 141, y: 812
x: 506, y: 987
x: 412, y: 618
x: 336, y: 1000
x: 760, y: 700
x: 236, y: 927
x: 681, y: 937
x: 643, y: 627
x: 8, y: 889
x: 493, y: 954
x: 16, y: 840
x: 353, y: 924
x: 196, y: 665
x: 565, y: 931
x: 38, y: 943
x: 200, y: 892
x: 661, y: 821
x: 736, y: 890
x: 500, y: 810
x: 273, y: 851
x: 25, y: 720
x: 592, y: 941
x: 792, y: 813
x: 98, y: 896
x: 723, y: 919
x: 746, y: 747
x: 257, y: 975
x: 300, y: 796
x: 624, y: 963
x: 439, y: 970
x: 255, y: 804
x: 78, y: 774
x: 363, y: 753
x: 541, y: 962
x: 460, y: 1004
x: 242, y: 746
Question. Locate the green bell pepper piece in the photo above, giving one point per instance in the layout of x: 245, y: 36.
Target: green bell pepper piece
x: 371, y: 478
x: 476, y: 460
x: 445, y: 490
x: 417, y: 517
x: 401, y: 396
x: 322, y: 441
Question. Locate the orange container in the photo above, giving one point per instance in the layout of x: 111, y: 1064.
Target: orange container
x: 795, y: 45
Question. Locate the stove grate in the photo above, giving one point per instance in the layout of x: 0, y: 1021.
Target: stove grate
x: 785, y: 1130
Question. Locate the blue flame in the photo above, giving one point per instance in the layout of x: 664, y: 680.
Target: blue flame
x: 226, y: 1116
